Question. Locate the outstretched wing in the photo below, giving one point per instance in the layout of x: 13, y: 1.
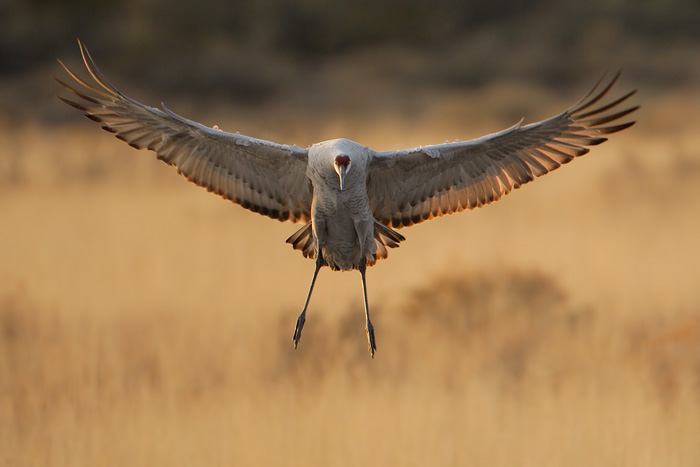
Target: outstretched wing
x: 410, y: 186
x: 262, y: 176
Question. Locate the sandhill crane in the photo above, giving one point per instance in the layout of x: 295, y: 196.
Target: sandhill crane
x: 350, y: 197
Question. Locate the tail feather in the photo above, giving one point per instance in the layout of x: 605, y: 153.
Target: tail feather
x: 385, y: 237
x: 303, y: 240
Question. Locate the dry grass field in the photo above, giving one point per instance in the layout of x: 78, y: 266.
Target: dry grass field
x: 145, y: 322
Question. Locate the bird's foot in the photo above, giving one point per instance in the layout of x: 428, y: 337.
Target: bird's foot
x: 370, y: 339
x: 298, y: 328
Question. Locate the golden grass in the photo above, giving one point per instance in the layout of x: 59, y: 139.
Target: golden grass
x: 144, y: 322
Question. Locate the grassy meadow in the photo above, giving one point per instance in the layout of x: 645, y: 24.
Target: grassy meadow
x: 145, y: 322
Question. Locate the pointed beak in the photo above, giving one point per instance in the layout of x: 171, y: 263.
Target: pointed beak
x: 341, y: 175
x: 341, y: 166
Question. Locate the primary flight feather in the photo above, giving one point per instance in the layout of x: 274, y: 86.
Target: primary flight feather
x: 348, y: 195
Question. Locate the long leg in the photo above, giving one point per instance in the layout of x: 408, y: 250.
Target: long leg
x: 302, y: 316
x: 368, y: 324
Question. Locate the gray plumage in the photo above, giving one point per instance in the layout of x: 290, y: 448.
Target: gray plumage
x: 348, y: 195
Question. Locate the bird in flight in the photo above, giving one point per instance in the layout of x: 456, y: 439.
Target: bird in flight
x: 350, y: 197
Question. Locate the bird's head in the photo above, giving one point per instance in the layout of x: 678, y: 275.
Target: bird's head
x: 342, y: 165
x: 338, y: 164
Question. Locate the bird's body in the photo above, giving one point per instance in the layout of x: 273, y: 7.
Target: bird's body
x: 348, y: 195
x: 342, y: 220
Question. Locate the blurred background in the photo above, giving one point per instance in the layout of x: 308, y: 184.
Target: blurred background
x: 144, y: 321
